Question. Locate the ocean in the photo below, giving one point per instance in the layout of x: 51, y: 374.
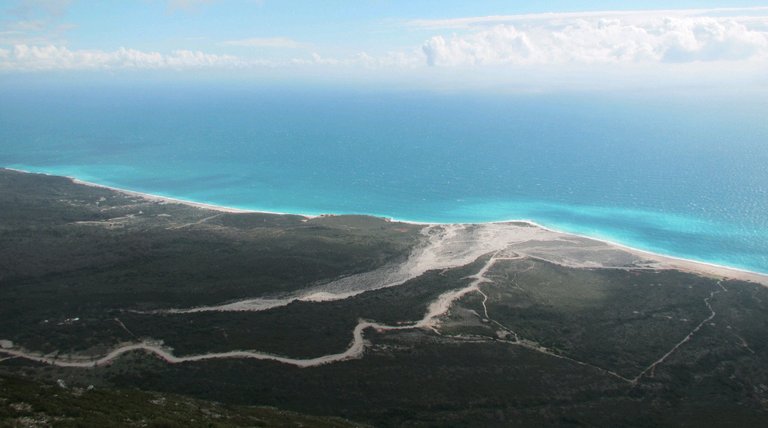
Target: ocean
x: 677, y: 174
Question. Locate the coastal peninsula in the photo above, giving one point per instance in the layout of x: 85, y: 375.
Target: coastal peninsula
x: 118, y: 289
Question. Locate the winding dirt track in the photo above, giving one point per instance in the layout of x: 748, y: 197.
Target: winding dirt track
x: 446, y: 246
x: 356, y: 349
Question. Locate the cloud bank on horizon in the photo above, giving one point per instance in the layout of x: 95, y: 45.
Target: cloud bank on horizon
x: 34, y: 37
x: 604, y: 38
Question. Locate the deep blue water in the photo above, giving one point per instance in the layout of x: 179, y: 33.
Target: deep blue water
x: 680, y: 175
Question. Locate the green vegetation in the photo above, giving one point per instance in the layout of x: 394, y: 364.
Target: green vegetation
x: 78, y: 262
x: 616, y: 319
x: 55, y: 268
x: 302, y: 329
x: 24, y: 403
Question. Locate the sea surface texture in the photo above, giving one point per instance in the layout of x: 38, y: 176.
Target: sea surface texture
x: 680, y: 176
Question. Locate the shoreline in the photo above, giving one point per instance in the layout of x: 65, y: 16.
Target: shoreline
x: 161, y: 198
x: 667, y: 261
x: 675, y: 262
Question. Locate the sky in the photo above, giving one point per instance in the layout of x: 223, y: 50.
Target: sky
x: 532, y: 45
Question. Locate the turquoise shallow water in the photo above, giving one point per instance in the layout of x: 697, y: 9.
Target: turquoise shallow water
x: 684, y: 176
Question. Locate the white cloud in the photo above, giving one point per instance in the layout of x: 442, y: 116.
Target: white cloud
x: 629, y: 16
x: 710, y: 40
x: 30, y: 58
x: 498, y: 45
x: 390, y: 60
x: 51, y: 57
x: 265, y: 42
x: 23, y: 57
x: 545, y: 48
x: 399, y: 60
x: 602, y: 40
